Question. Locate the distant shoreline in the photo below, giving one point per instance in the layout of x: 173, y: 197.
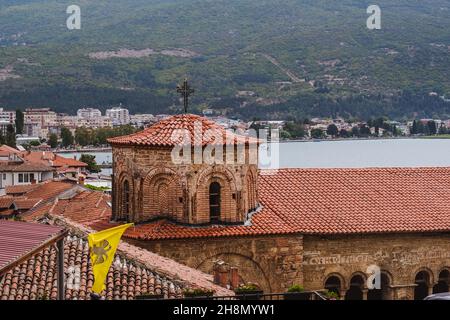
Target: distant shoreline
x: 444, y: 137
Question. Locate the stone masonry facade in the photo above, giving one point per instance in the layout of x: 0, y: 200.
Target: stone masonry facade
x: 148, y: 185
x: 272, y: 262
x: 400, y: 257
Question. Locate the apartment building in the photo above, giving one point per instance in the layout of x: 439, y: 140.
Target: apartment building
x: 118, y: 115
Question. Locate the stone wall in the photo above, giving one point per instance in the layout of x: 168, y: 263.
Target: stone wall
x: 161, y: 188
x: 273, y: 262
x: 400, y: 257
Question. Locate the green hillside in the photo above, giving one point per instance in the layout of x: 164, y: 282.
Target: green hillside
x: 298, y: 58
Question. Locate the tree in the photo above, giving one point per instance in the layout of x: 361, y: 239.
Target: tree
x: 67, y: 137
x: 431, y: 127
x: 332, y: 130
x: 294, y: 129
x: 414, y: 129
x: 53, y: 140
x: 19, y: 121
x: 317, y: 133
x: 10, y: 136
x: 364, y: 131
x: 344, y: 133
x: 442, y: 129
x: 89, y: 159
x: 355, y: 131
x: 35, y: 143
x: 83, y: 136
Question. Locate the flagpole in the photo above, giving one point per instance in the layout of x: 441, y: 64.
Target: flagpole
x: 60, y: 246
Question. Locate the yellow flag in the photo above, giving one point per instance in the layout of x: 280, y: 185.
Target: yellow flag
x: 103, y: 246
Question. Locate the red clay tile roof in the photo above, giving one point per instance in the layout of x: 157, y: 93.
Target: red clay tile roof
x: 29, y: 196
x: 325, y: 201
x: 49, y: 158
x: 19, y: 240
x: 161, y: 134
x: 8, y: 149
x: 7, y: 213
x: 36, y: 278
x: 26, y: 203
x: 48, y: 190
x: 6, y: 202
x: 86, y: 207
x: 67, y: 162
x: 135, y: 271
x: 20, y: 189
x: 26, y: 166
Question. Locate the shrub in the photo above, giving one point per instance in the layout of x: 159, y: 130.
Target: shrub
x: 296, y: 288
x: 250, y: 287
x: 189, y: 293
x: 331, y: 295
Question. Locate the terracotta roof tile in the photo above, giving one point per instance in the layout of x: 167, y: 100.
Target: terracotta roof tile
x: 317, y: 201
x: 36, y: 278
x: 9, y: 149
x: 24, y: 167
x: 26, y: 203
x: 20, y: 189
x: 6, y: 202
x: 161, y: 134
x: 86, y: 207
x: 50, y: 159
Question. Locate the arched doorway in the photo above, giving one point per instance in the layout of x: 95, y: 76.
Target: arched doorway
x: 355, y: 291
x: 443, y: 282
x: 333, y: 284
x: 423, y: 282
x: 384, y: 293
x: 214, y: 202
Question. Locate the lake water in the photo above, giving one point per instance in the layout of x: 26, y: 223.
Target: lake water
x: 349, y: 154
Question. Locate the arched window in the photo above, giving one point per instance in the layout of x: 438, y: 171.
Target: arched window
x: 333, y: 284
x: 423, y: 283
x: 126, y: 200
x: 355, y: 291
x: 443, y: 282
x: 384, y: 293
x: 214, y: 202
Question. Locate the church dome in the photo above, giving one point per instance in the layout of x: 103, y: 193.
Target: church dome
x: 172, y: 131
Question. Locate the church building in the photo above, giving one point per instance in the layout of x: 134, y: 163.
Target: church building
x: 320, y: 228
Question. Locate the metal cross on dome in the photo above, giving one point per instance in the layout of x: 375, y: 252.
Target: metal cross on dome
x: 185, y: 92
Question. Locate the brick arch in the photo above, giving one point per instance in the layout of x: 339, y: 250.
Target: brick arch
x: 228, y: 195
x: 161, y: 193
x: 426, y: 269
x: 249, y: 270
x: 223, y: 171
x: 360, y: 274
x: 341, y: 278
x: 120, y: 214
x: 251, y: 192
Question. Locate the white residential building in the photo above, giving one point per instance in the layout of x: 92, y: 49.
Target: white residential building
x: 15, y: 171
x: 118, y: 115
x: 89, y: 113
x: 38, y: 121
x: 142, y: 120
x: 7, y: 116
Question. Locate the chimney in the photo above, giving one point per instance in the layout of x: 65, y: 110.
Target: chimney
x: 225, y: 276
x: 234, y: 277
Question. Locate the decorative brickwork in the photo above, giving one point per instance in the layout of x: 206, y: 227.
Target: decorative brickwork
x: 273, y: 262
x: 147, y: 184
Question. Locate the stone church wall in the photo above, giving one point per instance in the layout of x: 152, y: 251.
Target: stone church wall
x: 401, y: 256
x: 273, y: 262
